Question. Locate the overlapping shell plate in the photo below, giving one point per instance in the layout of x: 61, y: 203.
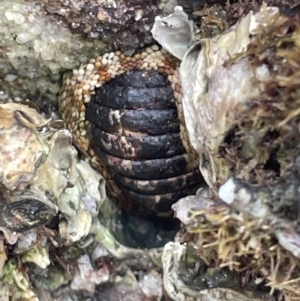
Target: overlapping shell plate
x: 240, y: 98
x: 132, y: 139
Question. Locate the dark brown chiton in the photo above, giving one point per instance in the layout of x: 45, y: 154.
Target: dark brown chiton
x: 127, y: 117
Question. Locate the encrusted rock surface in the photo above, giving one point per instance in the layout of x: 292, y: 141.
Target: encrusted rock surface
x: 230, y: 250
x: 241, y: 107
x: 41, y: 39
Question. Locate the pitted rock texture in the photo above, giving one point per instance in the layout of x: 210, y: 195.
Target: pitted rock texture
x: 41, y: 39
x: 120, y: 25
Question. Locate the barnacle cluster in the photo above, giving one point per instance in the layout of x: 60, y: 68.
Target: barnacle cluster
x: 241, y: 106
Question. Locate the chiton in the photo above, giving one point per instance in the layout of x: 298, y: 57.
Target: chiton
x: 125, y: 114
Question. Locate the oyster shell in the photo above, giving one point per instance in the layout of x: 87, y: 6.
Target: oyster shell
x: 241, y: 106
x: 174, y: 32
x: 22, y: 149
x: 239, y: 96
x: 39, y: 175
x: 217, y: 286
x: 49, y: 217
x: 86, y: 277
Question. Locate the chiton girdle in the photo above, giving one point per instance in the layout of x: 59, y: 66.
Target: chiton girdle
x: 131, y: 124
